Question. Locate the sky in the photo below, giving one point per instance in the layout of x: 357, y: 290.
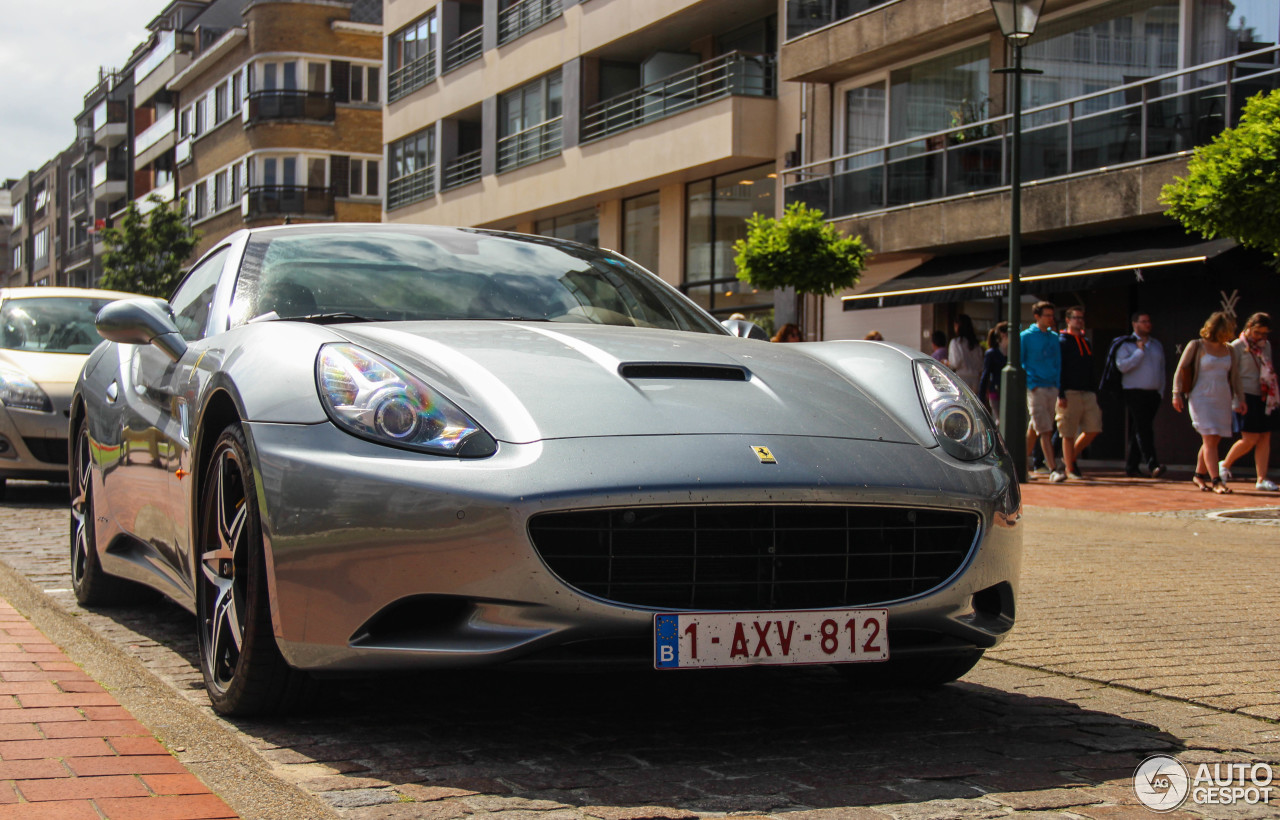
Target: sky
x: 50, y: 53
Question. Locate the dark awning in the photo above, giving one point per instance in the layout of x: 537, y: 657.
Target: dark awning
x: 1048, y: 268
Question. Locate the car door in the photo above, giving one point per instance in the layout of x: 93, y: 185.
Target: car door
x: 155, y: 460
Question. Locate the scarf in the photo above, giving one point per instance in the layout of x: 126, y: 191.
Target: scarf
x: 1267, y: 384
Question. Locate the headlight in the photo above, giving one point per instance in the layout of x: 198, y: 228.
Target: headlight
x: 369, y: 396
x: 18, y: 390
x: 959, y: 421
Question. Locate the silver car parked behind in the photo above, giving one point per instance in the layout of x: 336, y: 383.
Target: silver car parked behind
x: 367, y: 447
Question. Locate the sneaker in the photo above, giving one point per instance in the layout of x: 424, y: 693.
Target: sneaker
x: 1074, y: 475
x: 1158, y: 471
x: 1041, y: 470
x: 1266, y: 484
x: 1057, y: 477
x: 1225, y: 471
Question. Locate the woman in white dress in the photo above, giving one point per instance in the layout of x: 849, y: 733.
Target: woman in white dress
x: 1208, y: 380
x: 964, y: 354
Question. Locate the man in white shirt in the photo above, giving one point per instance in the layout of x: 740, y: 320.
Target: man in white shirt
x: 1140, y: 360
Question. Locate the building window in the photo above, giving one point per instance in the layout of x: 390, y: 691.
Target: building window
x: 17, y: 213
x: 236, y: 182
x: 410, y: 168
x: 221, y: 193
x: 41, y: 199
x: 198, y: 128
x: 40, y: 249
x: 412, y: 56
x: 640, y: 230
x: 364, y: 84
x: 220, y: 103
x: 716, y: 216
x: 17, y: 257
x: 363, y: 177
x: 581, y: 226
x: 184, y: 123
x: 201, y: 200
x: 237, y: 92
x: 529, y: 122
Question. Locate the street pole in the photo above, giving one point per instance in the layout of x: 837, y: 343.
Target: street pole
x: 1013, y: 380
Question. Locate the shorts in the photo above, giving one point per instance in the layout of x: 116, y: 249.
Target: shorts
x: 1081, y: 415
x: 1255, y: 418
x: 1041, y: 402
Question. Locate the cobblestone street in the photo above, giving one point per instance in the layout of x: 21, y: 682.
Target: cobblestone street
x: 1136, y: 634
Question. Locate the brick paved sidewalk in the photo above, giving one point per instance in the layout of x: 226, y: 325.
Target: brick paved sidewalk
x: 68, y: 750
x: 1112, y: 491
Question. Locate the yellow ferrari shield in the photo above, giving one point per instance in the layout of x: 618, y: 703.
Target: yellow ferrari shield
x: 764, y: 455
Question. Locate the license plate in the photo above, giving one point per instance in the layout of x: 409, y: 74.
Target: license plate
x: 707, y: 640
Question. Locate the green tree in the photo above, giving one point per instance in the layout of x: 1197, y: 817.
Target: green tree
x: 1232, y: 187
x: 800, y: 251
x: 148, y: 252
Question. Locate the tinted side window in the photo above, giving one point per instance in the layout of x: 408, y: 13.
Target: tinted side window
x: 194, y: 296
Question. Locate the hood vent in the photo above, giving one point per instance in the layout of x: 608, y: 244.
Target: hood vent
x: 680, y: 370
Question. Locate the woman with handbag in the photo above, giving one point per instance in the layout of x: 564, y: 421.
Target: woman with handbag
x: 1262, y: 401
x: 1208, y: 382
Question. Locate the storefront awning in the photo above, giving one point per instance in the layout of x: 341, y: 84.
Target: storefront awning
x: 1048, y: 268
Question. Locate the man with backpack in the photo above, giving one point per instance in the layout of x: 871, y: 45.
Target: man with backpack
x: 1137, y: 362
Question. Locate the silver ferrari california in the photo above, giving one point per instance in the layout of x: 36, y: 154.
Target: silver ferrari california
x: 351, y: 448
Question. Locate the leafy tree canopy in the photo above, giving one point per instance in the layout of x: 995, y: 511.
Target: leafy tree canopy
x: 800, y: 251
x: 1232, y: 187
x: 147, y: 252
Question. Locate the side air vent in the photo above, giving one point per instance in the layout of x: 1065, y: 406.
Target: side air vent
x: 679, y: 370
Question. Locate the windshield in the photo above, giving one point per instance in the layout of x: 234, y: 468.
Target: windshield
x: 394, y: 275
x: 53, y: 324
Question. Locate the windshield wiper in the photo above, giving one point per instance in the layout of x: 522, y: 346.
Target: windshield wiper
x: 328, y: 318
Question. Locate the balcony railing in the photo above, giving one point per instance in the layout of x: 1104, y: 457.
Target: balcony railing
x: 155, y: 132
x: 268, y: 200
x: 290, y: 105
x: 464, y: 170
x: 113, y: 170
x: 804, y: 16
x: 524, y: 16
x: 734, y: 74
x: 463, y: 50
x: 411, y: 76
x: 78, y: 253
x: 413, y: 187
x: 1144, y: 120
x: 530, y: 145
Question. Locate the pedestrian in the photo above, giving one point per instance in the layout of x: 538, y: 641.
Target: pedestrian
x: 1042, y: 362
x: 1262, y: 401
x: 1208, y: 382
x: 964, y: 354
x: 789, y: 332
x: 939, y: 351
x: 1140, y: 360
x: 874, y: 336
x: 993, y: 362
x: 1079, y: 417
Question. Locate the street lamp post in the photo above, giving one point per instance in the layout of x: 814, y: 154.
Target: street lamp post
x: 1017, y: 19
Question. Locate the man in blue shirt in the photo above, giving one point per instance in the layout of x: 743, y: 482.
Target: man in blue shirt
x: 1042, y: 362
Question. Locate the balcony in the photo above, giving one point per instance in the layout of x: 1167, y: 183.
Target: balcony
x: 1138, y: 122
x: 464, y: 170
x: 530, y: 145
x: 77, y: 254
x: 110, y: 178
x: 804, y: 16
x: 413, y: 187
x: 734, y: 74
x: 463, y: 50
x: 524, y: 16
x: 412, y: 76
x: 297, y: 200
x: 154, y: 137
x: 110, y: 123
x: 266, y: 106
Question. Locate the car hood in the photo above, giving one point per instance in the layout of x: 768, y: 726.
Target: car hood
x: 45, y: 368
x: 524, y: 382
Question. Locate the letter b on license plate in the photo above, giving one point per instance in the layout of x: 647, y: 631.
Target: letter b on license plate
x: 707, y: 640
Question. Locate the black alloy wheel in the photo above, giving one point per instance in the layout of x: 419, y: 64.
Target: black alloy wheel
x: 243, y: 669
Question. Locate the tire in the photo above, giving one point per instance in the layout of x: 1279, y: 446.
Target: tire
x: 920, y: 672
x: 244, y: 672
x: 92, y: 586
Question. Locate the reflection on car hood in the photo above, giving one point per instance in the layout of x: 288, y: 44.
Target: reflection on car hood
x: 525, y: 382
x: 45, y: 368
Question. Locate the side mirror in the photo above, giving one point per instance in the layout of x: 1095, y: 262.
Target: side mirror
x: 142, y: 321
x: 745, y: 329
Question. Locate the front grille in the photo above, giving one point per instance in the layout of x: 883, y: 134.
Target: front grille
x: 48, y: 450
x: 754, y: 557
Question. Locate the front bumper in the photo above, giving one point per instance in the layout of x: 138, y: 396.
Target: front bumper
x: 385, y: 559
x: 33, y: 444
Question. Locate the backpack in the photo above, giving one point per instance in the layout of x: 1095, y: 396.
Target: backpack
x: 1111, y: 376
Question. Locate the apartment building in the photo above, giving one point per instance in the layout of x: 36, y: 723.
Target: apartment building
x: 34, y: 238
x: 906, y: 141
x: 651, y: 127
x: 6, y: 226
x: 278, y: 115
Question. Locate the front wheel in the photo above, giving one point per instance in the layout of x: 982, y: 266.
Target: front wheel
x: 92, y: 586
x: 243, y: 669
